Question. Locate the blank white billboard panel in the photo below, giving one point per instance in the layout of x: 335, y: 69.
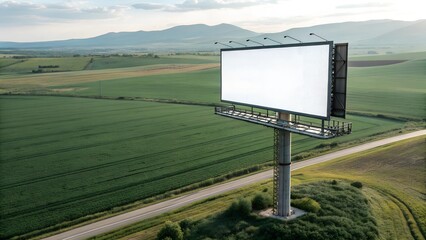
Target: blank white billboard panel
x: 292, y: 78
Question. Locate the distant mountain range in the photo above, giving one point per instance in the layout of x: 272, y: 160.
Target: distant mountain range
x: 199, y: 37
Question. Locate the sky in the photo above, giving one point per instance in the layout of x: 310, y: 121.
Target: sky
x: 45, y: 20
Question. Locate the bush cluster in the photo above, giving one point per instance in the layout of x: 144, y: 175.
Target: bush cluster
x: 356, y: 184
x: 240, y: 208
x: 307, y: 204
x: 170, y: 231
x: 338, y: 211
x: 261, y: 201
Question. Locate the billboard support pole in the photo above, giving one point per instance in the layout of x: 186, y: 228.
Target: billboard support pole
x: 284, y: 169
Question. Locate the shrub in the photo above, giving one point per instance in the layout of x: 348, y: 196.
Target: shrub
x: 186, y: 223
x: 240, y: 208
x: 245, y: 207
x: 170, y: 231
x: 185, y: 226
x: 307, y: 204
x: 334, y: 182
x: 241, y: 225
x: 356, y: 184
x: 261, y: 201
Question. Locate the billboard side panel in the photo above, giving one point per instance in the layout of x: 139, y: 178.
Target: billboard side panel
x: 339, y: 90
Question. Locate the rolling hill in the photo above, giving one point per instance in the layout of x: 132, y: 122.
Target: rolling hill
x: 200, y: 37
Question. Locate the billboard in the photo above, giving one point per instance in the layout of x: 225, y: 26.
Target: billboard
x: 292, y: 78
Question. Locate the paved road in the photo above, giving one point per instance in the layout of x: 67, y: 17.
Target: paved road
x: 118, y: 221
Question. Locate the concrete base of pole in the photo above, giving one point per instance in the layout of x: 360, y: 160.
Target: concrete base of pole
x: 296, y: 213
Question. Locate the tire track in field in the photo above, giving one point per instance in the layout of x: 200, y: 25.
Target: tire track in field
x: 109, y: 123
x: 93, y: 105
x: 126, y: 160
x: 65, y: 120
x: 56, y: 116
x: 101, y: 194
x: 96, y: 125
x: 161, y: 166
x: 406, y: 212
x: 63, y: 150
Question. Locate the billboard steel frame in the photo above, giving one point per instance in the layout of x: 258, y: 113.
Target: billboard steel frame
x: 283, y: 125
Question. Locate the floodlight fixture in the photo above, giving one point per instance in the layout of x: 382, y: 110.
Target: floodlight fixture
x: 272, y: 40
x: 238, y: 43
x: 249, y: 40
x: 226, y: 45
x: 287, y: 36
x: 313, y: 34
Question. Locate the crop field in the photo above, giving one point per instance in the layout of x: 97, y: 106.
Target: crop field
x: 63, y: 158
x: 40, y: 83
x: 64, y: 63
x: 385, y: 173
x: 195, y: 86
x: 4, y: 62
x: 397, y: 90
x: 373, y: 63
x: 398, y: 56
x: 125, y: 61
x: 124, y: 151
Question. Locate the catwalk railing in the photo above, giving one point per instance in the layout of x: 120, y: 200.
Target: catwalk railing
x: 323, y: 129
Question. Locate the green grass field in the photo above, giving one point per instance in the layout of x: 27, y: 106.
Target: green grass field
x: 386, y: 172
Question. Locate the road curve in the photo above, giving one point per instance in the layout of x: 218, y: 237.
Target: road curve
x: 128, y: 218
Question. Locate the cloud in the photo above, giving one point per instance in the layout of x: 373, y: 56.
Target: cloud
x: 365, y: 5
x: 21, y: 13
x: 191, y: 5
x: 150, y: 6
